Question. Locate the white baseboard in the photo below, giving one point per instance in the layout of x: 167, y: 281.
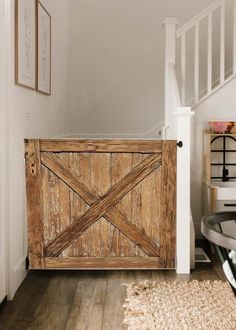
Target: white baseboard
x: 20, y: 265
x: 17, y: 274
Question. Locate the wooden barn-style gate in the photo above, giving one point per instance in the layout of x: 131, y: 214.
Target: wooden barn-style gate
x: 101, y: 204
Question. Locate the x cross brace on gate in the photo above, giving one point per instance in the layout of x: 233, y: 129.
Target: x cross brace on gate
x: 101, y: 206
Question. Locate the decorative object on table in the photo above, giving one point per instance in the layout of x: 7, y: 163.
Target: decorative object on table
x: 219, y: 127
x: 43, y: 50
x: 25, y: 43
x: 180, y: 305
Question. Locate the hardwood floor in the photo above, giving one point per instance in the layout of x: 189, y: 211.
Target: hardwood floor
x: 82, y: 300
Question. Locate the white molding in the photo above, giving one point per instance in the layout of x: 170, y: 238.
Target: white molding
x: 192, y: 243
x: 183, y: 209
x: 20, y: 265
x: 170, y: 21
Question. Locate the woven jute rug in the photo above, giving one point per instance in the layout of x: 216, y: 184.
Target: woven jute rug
x: 180, y: 305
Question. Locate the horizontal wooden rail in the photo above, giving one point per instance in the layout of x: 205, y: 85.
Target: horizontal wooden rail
x: 129, y: 146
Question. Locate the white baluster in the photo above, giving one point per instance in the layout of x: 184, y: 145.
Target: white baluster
x: 196, y: 63
x: 183, y: 67
x: 209, y: 54
x: 222, y: 43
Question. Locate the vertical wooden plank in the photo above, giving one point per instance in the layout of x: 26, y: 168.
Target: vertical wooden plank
x: 196, y: 64
x: 136, y: 199
x: 150, y: 206
x: 34, y: 204
x: 121, y: 164
x: 168, y: 202
x: 101, y: 181
x: 183, y: 67
x: 45, y: 207
x: 209, y: 54
x: 222, y: 43
x: 53, y: 202
x: 81, y: 165
x: 64, y: 198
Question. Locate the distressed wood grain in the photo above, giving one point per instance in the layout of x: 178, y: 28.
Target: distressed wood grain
x: 105, y: 263
x: 101, y: 181
x: 121, y: 165
x: 168, y: 202
x: 34, y: 203
x: 90, y: 195
x: 102, y: 205
x: 73, y: 145
x: 105, y: 204
x: 80, y: 163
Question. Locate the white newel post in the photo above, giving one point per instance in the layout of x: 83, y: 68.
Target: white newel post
x: 170, y: 39
x: 183, y: 221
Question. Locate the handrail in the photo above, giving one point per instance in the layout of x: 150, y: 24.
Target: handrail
x: 199, y: 17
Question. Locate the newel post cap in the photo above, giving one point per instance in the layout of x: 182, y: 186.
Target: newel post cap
x: 170, y: 21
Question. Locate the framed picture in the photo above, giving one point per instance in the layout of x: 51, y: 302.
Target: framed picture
x: 43, y: 50
x: 25, y: 43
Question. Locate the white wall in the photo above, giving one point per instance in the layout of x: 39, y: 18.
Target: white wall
x: 117, y: 64
x: 219, y: 106
x: 33, y: 115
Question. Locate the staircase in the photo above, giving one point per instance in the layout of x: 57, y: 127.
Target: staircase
x: 206, y: 52
x: 200, y: 58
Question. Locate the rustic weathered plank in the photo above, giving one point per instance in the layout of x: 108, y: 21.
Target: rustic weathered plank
x: 136, y: 202
x: 121, y: 165
x: 90, y: 195
x: 107, y: 200
x: 102, y: 205
x: 105, y: 263
x: 64, y: 199
x: 101, y: 181
x: 168, y: 202
x: 73, y: 145
x: 34, y: 204
x: 150, y: 211
x: 80, y: 163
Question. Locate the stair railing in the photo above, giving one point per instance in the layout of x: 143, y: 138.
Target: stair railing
x: 178, y: 126
x: 207, y: 15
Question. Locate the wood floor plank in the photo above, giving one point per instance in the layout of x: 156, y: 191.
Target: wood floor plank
x: 115, y: 298
x: 52, y: 312
x: 91, y: 300
x: 88, y: 304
